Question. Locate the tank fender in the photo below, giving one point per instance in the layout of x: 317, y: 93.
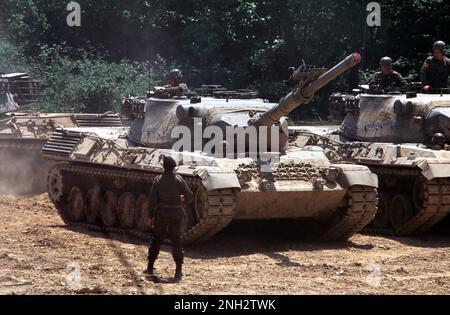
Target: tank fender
x: 353, y: 175
x: 217, y: 178
x: 432, y: 170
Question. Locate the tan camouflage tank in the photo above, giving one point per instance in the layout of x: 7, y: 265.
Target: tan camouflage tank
x: 23, y: 134
x: 103, y: 178
x: 404, y: 138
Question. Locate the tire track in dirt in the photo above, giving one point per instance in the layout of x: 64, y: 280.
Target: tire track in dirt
x: 37, y: 250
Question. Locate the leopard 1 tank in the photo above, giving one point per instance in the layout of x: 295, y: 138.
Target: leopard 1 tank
x: 233, y: 151
x: 404, y: 138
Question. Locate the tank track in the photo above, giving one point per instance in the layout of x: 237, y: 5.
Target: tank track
x: 361, y: 210
x: 221, y: 204
x: 436, y: 204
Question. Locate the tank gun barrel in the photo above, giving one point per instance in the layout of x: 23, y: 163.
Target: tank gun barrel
x: 308, y: 84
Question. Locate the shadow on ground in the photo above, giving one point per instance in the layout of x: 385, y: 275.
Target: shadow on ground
x: 243, y: 238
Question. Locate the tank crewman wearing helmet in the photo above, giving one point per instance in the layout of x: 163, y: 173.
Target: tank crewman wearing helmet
x: 176, y: 86
x: 387, y: 79
x: 436, y: 69
x: 438, y: 142
x: 167, y: 194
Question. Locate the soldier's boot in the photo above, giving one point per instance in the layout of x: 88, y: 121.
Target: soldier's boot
x: 177, y: 253
x: 179, y: 272
x: 150, y: 268
x: 153, y: 253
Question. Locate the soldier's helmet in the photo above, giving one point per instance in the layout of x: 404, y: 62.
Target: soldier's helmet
x: 438, y: 139
x: 176, y: 75
x: 386, y: 62
x: 169, y: 163
x: 439, y: 45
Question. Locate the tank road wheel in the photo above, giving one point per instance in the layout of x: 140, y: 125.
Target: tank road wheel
x: 400, y: 210
x: 201, y: 203
x: 76, y: 204
x: 382, y: 217
x: 55, y: 186
x: 94, y: 205
x: 188, y: 219
x: 126, y: 210
x: 142, y: 212
x: 109, y: 210
x: 418, y: 193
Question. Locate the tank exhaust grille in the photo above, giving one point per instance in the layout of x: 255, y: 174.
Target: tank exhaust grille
x: 60, y: 144
x: 104, y: 120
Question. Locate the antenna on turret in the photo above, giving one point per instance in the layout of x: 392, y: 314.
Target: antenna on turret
x: 149, y: 76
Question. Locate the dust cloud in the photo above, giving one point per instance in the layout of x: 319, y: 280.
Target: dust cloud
x: 23, y: 171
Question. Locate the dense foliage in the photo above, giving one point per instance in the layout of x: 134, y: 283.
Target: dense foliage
x: 125, y: 46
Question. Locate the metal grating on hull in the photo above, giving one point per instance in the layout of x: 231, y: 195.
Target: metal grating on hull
x: 61, y: 144
x: 93, y: 120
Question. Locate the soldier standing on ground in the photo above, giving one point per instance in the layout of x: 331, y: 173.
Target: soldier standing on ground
x: 387, y: 79
x: 436, y: 69
x: 168, y: 193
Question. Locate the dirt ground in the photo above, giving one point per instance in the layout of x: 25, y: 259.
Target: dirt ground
x: 39, y: 255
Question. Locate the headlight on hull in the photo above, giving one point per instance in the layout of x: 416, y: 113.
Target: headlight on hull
x: 332, y: 174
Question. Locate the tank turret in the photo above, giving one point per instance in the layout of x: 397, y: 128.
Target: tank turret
x: 398, y: 118
x: 156, y: 120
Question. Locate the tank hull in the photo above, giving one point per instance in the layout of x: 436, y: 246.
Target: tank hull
x: 105, y: 186
x: 305, y: 203
x: 417, y: 176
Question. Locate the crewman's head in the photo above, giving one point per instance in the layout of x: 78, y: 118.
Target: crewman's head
x: 439, y: 48
x: 386, y: 65
x: 175, y: 77
x: 169, y: 164
x: 438, y: 140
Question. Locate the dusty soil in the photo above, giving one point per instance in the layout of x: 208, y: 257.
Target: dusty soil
x: 39, y: 255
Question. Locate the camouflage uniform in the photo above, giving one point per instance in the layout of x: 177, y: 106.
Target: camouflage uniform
x: 435, y: 73
x: 391, y: 81
x: 176, y: 90
x: 176, y: 86
x: 165, y: 197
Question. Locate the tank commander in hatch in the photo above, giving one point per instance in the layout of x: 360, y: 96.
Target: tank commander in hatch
x: 436, y: 69
x: 176, y: 86
x: 387, y: 79
x: 169, y: 191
